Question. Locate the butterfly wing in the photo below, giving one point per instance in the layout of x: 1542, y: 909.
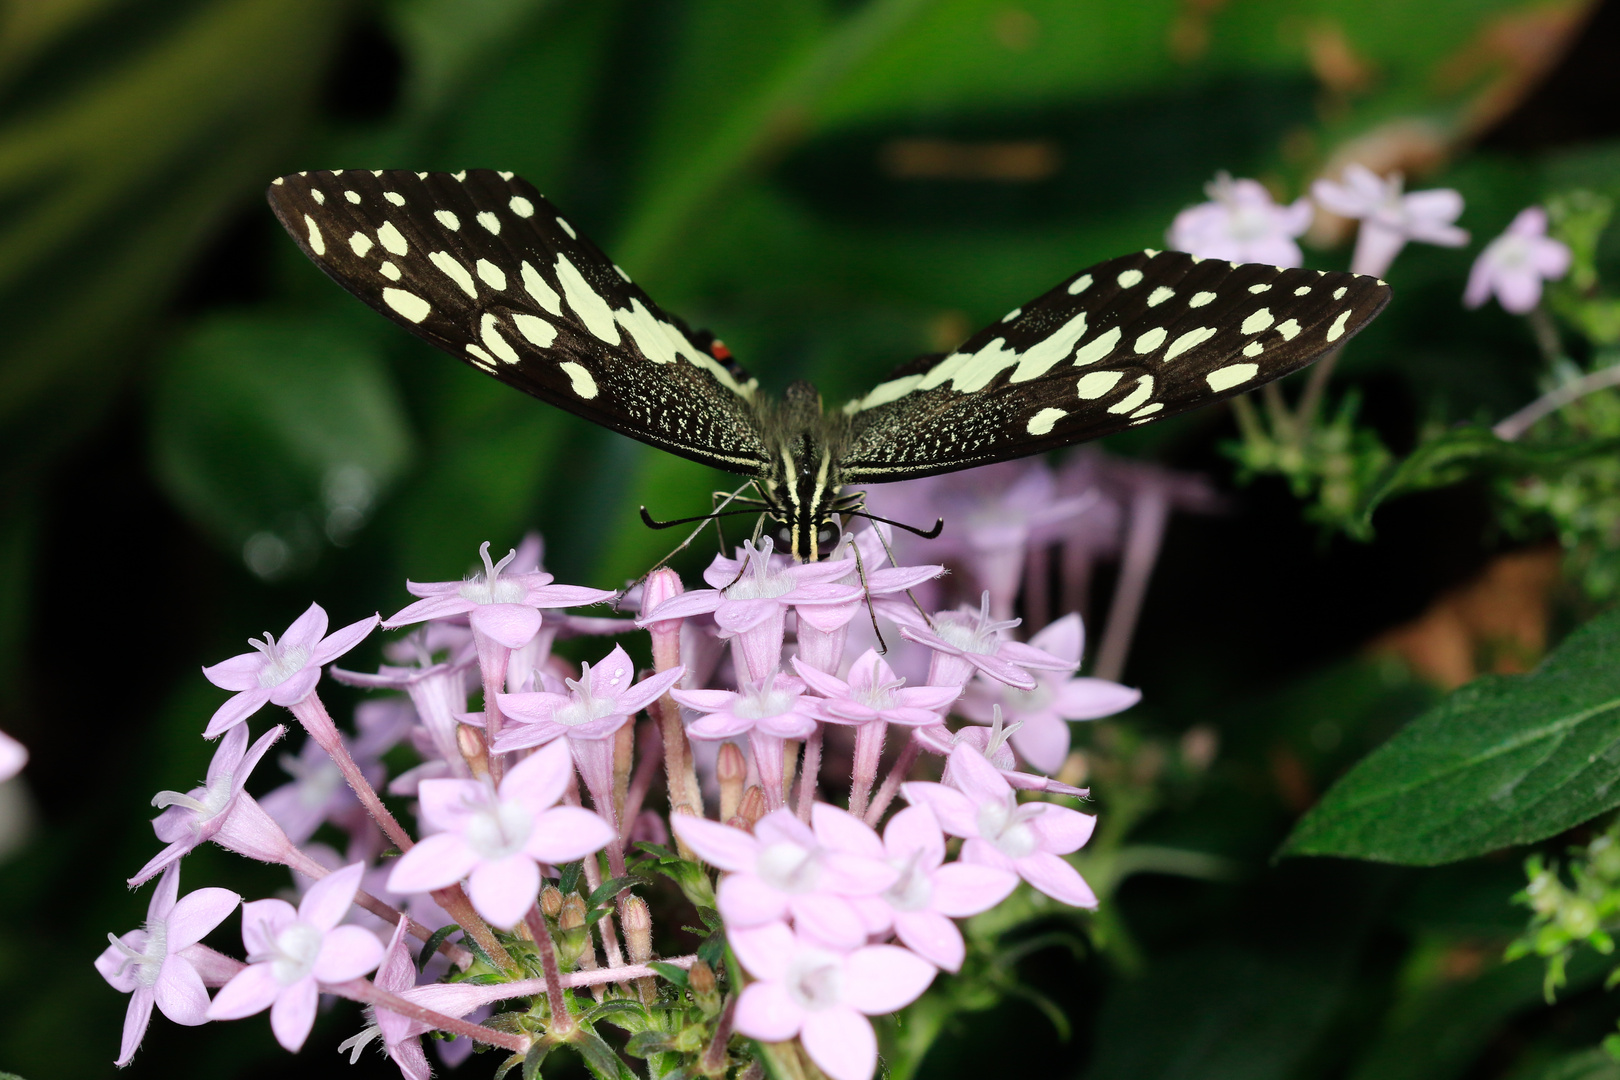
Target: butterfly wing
x: 481, y: 265
x: 1130, y: 340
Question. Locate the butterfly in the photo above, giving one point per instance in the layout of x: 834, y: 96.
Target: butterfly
x: 482, y: 266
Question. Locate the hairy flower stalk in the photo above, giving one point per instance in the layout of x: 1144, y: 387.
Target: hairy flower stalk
x: 830, y: 919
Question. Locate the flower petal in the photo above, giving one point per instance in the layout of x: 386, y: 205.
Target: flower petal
x: 682, y: 606
x: 240, y: 672
x: 718, y: 845
x: 1064, y: 639
x: 197, y: 914
x: 884, y: 978
x: 435, y: 605
x: 180, y: 993
x: 252, y: 990
x: 957, y: 814
x: 839, y: 830
x: 341, y: 641
x: 744, y: 900
x: 347, y: 952
x: 136, y: 1018
x: 328, y: 900
x: 565, y: 833
x: 293, y: 1014
x: 446, y: 804
x: 766, y: 952
x: 435, y: 862
x: 1061, y: 829
x: 962, y: 889
x: 1057, y: 879
x: 831, y: 920
x: 976, y: 778
x: 237, y: 708
x: 262, y: 920
x: 840, y: 1041
x: 931, y: 936
x: 767, y: 1011
x: 649, y: 690
x: 505, y: 889
x: 307, y: 630
x: 539, y: 780
x: 1043, y: 740
x: 511, y: 625
x: 912, y: 831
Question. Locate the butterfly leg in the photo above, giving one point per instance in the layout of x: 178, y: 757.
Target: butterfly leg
x: 866, y: 594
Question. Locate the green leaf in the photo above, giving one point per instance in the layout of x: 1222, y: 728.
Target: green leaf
x: 569, y: 880
x: 646, y: 1043
x: 1586, y: 1065
x: 1505, y: 760
x: 431, y: 945
x: 611, y: 1007
x: 508, y: 1065
x: 600, y: 1058
x: 713, y: 949
x: 531, y: 1060
x: 671, y: 973
x: 279, y: 437
x: 612, y: 887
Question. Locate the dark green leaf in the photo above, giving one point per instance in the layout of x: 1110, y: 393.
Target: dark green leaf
x: 508, y: 1065
x: 644, y: 1043
x: 1505, y: 760
x: 431, y: 945
x: 569, y: 881
x: 713, y: 949
x: 600, y: 1058
x: 673, y: 974
x: 611, y: 1007
x: 610, y: 888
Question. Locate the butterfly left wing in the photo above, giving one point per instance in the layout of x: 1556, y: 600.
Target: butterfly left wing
x: 1131, y: 340
x: 480, y: 265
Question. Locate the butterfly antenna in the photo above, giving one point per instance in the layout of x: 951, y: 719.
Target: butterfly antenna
x: 926, y: 534
x: 652, y: 523
x: 889, y: 551
x: 866, y: 594
x: 703, y: 523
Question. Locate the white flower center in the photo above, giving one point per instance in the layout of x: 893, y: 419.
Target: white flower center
x: 789, y: 868
x: 760, y: 581
x: 294, y: 952
x: 218, y: 795
x: 914, y: 888
x: 1512, y: 253
x: 489, y: 587
x: 1006, y: 825
x: 499, y: 830
x: 816, y: 980
x: 281, y: 662
x: 147, y: 959
x: 763, y: 702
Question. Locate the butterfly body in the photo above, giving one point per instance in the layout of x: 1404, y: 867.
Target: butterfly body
x: 479, y: 264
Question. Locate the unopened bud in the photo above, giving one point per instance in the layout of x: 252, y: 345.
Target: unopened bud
x: 551, y: 901
x: 636, y: 920
x: 663, y: 585
x: 752, y: 806
x: 470, y: 741
x: 574, y: 938
x: 731, y: 769
x: 705, y: 994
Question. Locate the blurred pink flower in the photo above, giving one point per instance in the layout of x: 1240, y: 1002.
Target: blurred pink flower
x: 1389, y: 218
x: 929, y: 893
x: 1514, y: 265
x: 158, y: 965
x: 992, y: 743
x: 803, y: 988
x: 1025, y: 838
x: 495, y: 838
x: 280, y: 672
x: 1042, y: 714
x: 13, y: 756
x: 787, y: 868
x: 965, y: 641
x: 506, y: 609
x: 1241, y: 223
x: 290, y: 952
x: 192, y: 818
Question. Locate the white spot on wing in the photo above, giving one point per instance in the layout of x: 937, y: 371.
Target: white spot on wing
x: 1041, y: 423
x: 1338, y: 294
x: 1336, y: 331
x: 583, y: 384
x: 1232, y: 375
x: 569, y: 229
x: 1013, y: 314
x: 391, y: 239
x: 352, y: 196
x: 408, y: 304
x: 1257, y: 322
x: 1150, y: 340
x: 454, y: 271
x: 543, y: 293
x: 1147, y: 410
x: 520, y: 206
x: 490, y: 335
x: 1200, y: 299
x: 1094, y: 384
x: 461, y: 176
x: 278, y: 181
x: 319, y: 197
x: 482, y: 358
x: 1259, y: 288
x: 1302, y: 290
x: 394, y: 197
x: 1136, y: 398
x: 535, y: 329
x: 389, y: 271
x: 316, y: 243
x: 592, y: 310
x: 620, y: 271
x: 1253, y: 348
x: 447, y: 219
x: 1190, y: 340
x: 1040, y: 357
x: 503, y: 175
x: 1097, y: 348
x: 1129, y: 278
x: 490, y: 222
x: 883, y: 393
x: 1160, y: 295
x: 1289, y: 330
x: 1079, y: 284
x: 967, y: 372
x: 491, y: 275
x: 360, y: 243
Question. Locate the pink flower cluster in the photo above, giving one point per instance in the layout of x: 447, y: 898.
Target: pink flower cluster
x: 830, y: 920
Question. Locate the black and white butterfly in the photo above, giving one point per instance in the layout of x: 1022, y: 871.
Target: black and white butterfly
x: 479, y: 264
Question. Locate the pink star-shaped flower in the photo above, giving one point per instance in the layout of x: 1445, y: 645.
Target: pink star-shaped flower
x: 401, y: 1036
x: 503, y: 607
x: 157, y: 964
x: 786, y: 868
x: 750, y: 597
x: 822, y: 629
x: 965, y: 641
x: 767, y: 712
x: 992, y: 743
x: 496, y: 838
x: 1514, y: 265
x: 1389, y: 218
x: 291, y: 952
x: 874, y: 693
x: 929, y: 893
x: 192, y: 818
x: 802, y: 988
x: 280, y: 672
x: 1042, y: 737
x: 1242, y: 223
x: 1025, y: 838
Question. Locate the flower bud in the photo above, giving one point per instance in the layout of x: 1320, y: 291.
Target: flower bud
x: 663, y: 585
x: 751, y: 809
x: 731, y: 769
x: 551, y: 901
x: 705, y: 993
x: 473, y: 750
x: 574, y: 938
x: 1578, y: 916
x: 636, y: 921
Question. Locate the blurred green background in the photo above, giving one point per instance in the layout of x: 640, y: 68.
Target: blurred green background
x: 199, y: 433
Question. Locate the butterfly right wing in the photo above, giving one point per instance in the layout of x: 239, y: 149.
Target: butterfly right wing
x: 479, y: 264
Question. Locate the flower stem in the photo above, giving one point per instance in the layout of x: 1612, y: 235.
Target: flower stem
x: 713, y: 1062
x: 547, y: 948
x: 680, y: 774
x: 1512, y: 428
x: 1150, y: 509
x: 891, y: 783
x: 812, y: 769
x: 492, y: 660
x: 650, y: 755
x: 1315, y: 387
x: 365, y: 991
x: 868, y: 752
